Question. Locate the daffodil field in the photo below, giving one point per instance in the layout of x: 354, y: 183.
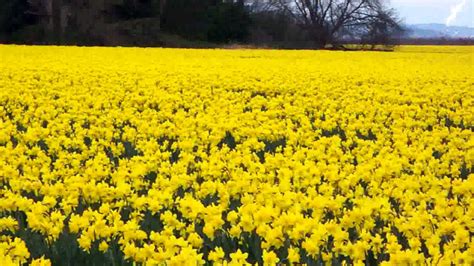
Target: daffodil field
x: 132, y: 156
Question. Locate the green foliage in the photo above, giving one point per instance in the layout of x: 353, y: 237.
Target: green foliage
x: 148, y: 22
x: 207, y: 20
x: 14, y: 15
x: 230, y: 22
x: 122, y: 22
x: 132, y: 9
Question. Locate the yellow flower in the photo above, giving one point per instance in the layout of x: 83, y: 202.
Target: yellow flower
x: 320, y: 153
x: 8, y: 223
x: 217, y: 255
x: 130, y: 251
x: 103, y: 246
x: 238, y: 258
x: 85, y: 242
x: 293, y: 255
x: 232, y: 217
x: 41, y: 262
x: 270, y: 258
x: 311, y: 247
x: 195, y: 240
x: 7, y: 260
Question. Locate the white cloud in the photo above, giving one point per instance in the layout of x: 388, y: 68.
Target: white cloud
x: 424, y: 2
x: 454, y: 12
x: 434, y: 11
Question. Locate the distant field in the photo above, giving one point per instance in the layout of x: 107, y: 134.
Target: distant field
x: 119, y: 156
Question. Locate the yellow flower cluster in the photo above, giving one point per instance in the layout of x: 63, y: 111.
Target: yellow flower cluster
x: 183, y: 157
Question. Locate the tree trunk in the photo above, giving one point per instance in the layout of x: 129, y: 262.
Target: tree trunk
x: 321, y: 37
x: 162, y: 7
x: 162, y: 11
x: 56, y: 20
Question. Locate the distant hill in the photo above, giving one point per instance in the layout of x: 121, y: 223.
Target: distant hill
x: 434, y: 30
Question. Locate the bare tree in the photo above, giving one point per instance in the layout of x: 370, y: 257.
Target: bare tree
x: 162, y: 6
x: 329, y: 20
x: 382, y: 29
x: 49, y: 13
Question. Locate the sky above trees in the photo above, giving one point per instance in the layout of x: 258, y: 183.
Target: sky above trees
x: 451, y: 12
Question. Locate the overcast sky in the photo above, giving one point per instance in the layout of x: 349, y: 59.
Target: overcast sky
x: 436, y: 11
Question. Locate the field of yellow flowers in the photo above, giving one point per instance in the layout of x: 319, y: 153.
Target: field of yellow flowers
x: 121, y: 156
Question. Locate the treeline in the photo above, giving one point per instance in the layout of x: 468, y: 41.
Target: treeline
x: 277, y: 23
